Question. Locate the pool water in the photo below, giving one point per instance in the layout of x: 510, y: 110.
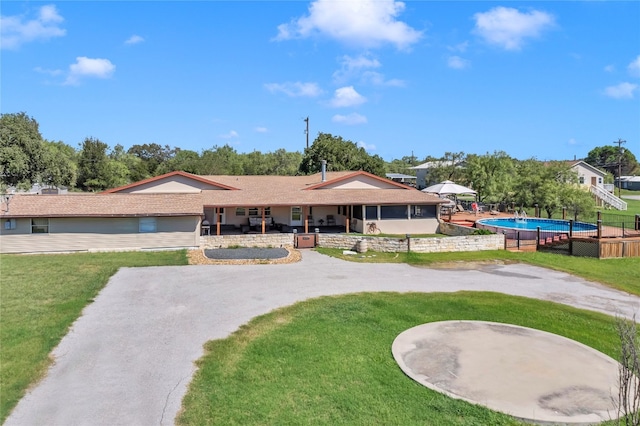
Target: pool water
x: 535, y: 223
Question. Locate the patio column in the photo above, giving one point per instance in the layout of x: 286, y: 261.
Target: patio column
x: 218, y: 219
x: 306, y: 219
x: 262, y: 223
x: 348, y: 214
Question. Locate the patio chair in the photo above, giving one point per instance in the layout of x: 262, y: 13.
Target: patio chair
x: 331, y: 221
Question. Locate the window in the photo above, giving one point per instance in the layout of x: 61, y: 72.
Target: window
x: 392, y: 212
x: 39, y: 226
x: 240, y: 211
x: 356, y: 212
x: 147, y: 224
x: 581, y: 180
x: 255, y: 211
x: 423, y: 211
x: 599, y: 180
x: 371, y: 212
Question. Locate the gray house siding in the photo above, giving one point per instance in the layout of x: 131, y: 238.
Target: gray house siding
x: 100, y: 234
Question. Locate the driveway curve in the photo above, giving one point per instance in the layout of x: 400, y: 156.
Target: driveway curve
x: 129, y: 358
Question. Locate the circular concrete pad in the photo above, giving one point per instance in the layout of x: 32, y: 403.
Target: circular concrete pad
x: 526, y: 373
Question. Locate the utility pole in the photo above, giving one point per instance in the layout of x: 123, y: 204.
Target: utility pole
x: 307, y: 130
x: 619, y: 142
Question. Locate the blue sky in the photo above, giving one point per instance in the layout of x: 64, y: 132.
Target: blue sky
x: 550, y: 80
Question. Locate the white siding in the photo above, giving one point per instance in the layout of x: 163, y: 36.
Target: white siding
x: 361, y: 182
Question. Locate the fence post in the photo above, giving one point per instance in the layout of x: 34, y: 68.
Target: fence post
x: 599, y: 215
x: 518, y: 238
x: 571, y: 228
x: 564, y: 213
x: 408, y: 243
x: 637, y: 227
x: 537, y: 235
x: 599, y: 229
x: 536, y: 211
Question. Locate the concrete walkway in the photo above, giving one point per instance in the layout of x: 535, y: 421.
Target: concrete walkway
x: 129, y: 358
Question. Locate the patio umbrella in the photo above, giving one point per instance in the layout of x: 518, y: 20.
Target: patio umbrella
x: 449, y: 188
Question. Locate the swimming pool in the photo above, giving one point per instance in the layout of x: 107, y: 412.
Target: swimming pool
x: 528, y: 227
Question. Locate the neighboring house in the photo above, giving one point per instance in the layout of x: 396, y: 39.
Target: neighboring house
x: 422, y: 171
x: 592, y: 179
x: 402, y: 178
x: 171, y: 211
x: 629, y: 182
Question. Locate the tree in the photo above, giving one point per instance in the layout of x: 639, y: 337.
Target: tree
x: 340, y: 155
x: 184, y: 160
x: 223, y: 160
x: 607, y: 157
x: 448, y: 167
x: 92, y: 165
x: 551, y: 186
x: 61, y: 168
x: 22, y: 152
x: 491, y: 176
x: 152, y: 155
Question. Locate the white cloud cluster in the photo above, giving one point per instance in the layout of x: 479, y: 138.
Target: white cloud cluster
x: 295, y: 89
x: 367, y: 23
x: 347, y: 97
x: 351, y: 119
x: 134, y: 39
x: 361, y: 68
x: 89, y: 67
x: 15, y: 31
x: 457, y: 63
x: 621, y: 91
x: 232, y: 134
x: 260, y: 129
x: 509, y: 28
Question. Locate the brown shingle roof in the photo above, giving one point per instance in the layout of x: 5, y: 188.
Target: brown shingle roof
x: 103, y: 205
x: 299, y: 190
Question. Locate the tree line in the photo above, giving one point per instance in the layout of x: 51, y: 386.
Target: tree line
x: 26, y: 158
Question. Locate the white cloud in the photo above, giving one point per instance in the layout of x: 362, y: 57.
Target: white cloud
x: 352, y: 67
x: 134, y: 39
x: 610, y: 68
x: 378, y: 79
x: 295, y: 89
x: 572, y: 141
x: 347, y: 97
x: 351, y: 119
x: 15, y: 31
x: 367, y: 147
x: 367, y: 23
x: 621, y: 91
x: 509, y: 28
x: 634, y: 67
x: 231, y: 135
x: 261, y: 130
x: 88, y: 67
x: 458, y: 63
x: 52, y: 73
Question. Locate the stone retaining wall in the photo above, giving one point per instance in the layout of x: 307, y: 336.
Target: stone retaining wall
x: 351, y: 242
x: 418, y: 245
x: 454, y: 230
x: 246, y: 240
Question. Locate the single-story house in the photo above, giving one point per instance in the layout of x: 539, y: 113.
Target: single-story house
x: 629, y: 182
x: 174, y: 209
x: 402, y: 178
x: 588, y: 175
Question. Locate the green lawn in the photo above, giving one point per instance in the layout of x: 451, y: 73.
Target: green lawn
x: 328, y: 361
x: 41, y: 297
x: 298, y: 348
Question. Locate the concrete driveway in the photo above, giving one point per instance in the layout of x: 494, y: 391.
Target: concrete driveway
x: 129, y: 358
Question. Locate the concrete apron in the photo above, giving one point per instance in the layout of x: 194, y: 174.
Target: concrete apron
x: 529, y: 374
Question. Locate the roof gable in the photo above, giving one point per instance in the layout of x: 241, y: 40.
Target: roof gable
x: 172, y: 182
x: 584, y: 165
x: 358, y: 180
